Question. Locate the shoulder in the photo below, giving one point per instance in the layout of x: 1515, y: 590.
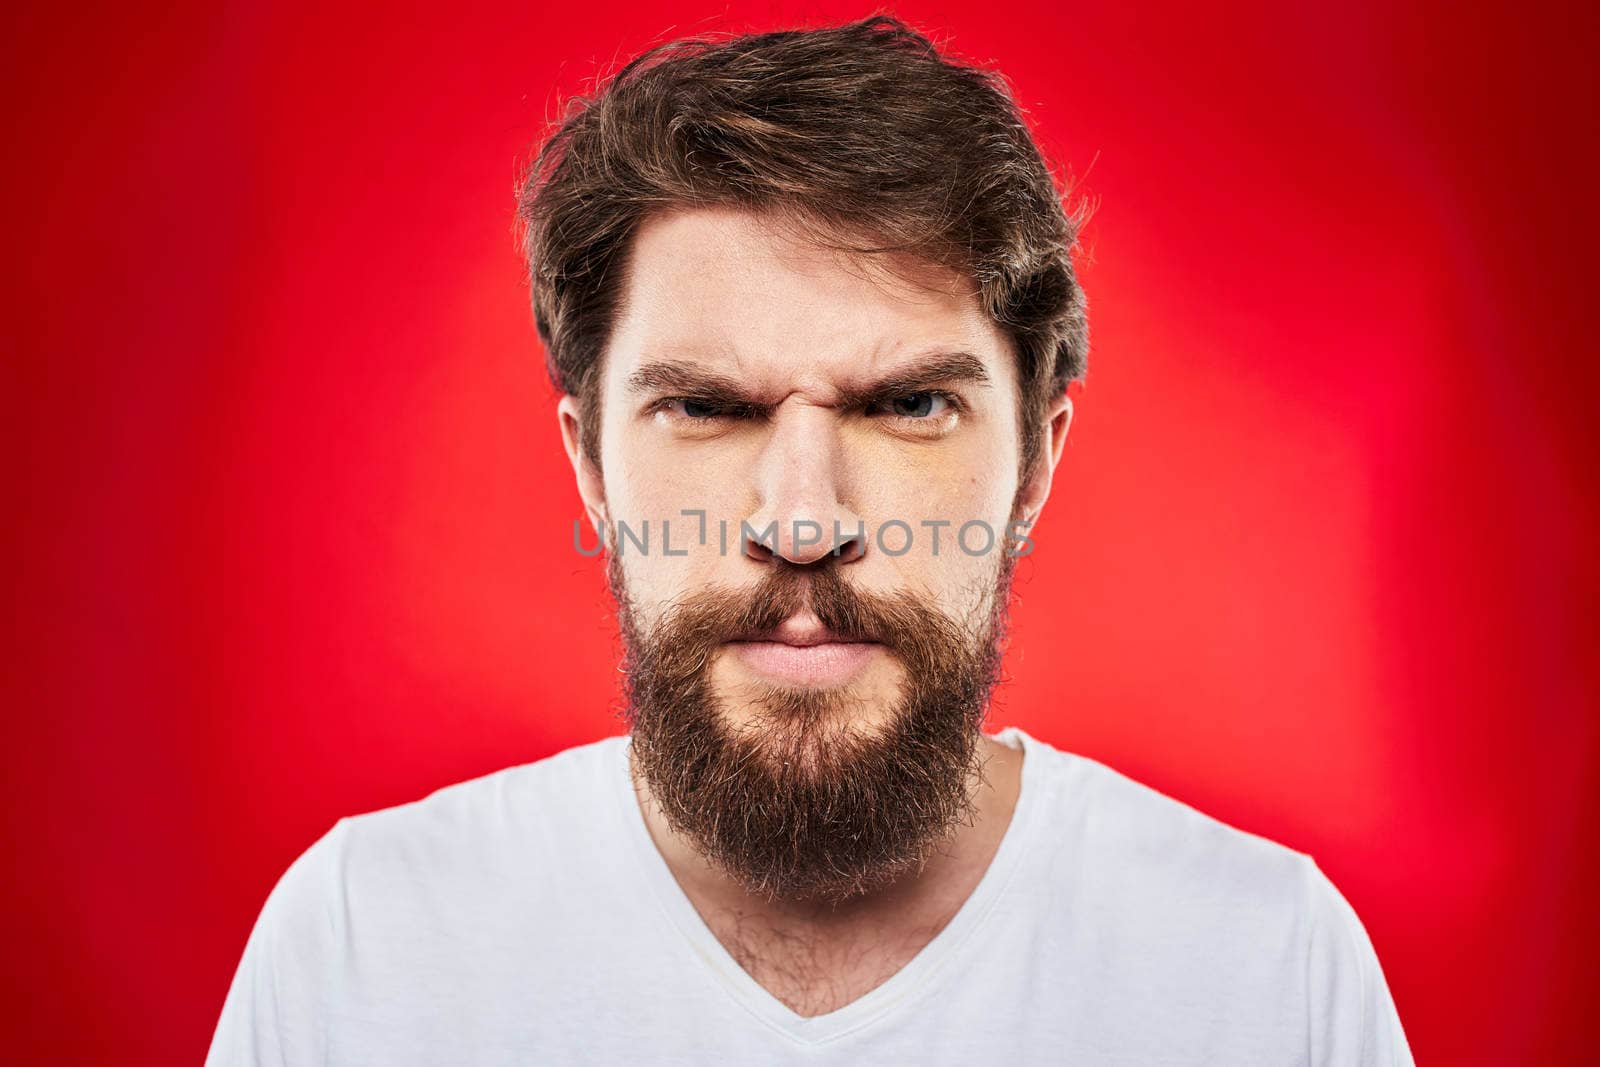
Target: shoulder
x: 517, y: 799
x: 1135, y: 839
x: 455, y: 843
x: 463, y: 828
x: 365, y: 909
x: 1181, y: 902
x: 1174, y: 898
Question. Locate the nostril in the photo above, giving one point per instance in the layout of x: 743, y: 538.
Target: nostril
x: 759, y: 544
x: 850, y: 549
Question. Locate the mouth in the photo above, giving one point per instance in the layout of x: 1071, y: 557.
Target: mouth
x: 803, y: 652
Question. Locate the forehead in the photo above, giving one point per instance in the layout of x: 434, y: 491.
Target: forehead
x: 748, y: 295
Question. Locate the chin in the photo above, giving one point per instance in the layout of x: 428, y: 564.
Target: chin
x: 808, y: 733
x: 810, y: 715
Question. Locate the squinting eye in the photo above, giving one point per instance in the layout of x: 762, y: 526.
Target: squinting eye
x: 919, y: 405
x: 698, y: 409
x: 688, y: 409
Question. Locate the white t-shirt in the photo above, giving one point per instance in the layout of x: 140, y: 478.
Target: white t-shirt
x: 527, y: 917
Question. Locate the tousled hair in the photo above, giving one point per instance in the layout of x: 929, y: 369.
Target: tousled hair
x: 863, y: 134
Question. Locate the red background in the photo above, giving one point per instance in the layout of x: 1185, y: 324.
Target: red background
x: 291, y: 533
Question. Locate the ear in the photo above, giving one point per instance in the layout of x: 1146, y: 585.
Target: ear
x: 1052, y: 438
x: 591, y: 486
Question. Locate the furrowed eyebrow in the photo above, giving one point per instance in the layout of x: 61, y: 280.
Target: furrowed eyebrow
x: 674, y: 376
x: 943, y: 367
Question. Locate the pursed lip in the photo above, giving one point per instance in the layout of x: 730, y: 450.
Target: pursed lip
x: 801, y: 651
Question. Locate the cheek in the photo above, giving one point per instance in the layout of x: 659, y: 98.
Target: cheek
x: 976, y: 482
x: 653, y: 477
x: 957, y: 519
x: 661, y: 497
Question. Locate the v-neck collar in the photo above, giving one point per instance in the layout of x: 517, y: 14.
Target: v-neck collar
x: 908, y: 981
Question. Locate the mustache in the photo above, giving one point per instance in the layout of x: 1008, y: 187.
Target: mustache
x: 899, y: 621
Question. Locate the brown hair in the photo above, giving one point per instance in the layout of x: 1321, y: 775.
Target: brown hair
x: 856, y: 131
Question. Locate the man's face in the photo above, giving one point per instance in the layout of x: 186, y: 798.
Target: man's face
x: 802, y: 399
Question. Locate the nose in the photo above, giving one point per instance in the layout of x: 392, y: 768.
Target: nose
x: 801, y: 479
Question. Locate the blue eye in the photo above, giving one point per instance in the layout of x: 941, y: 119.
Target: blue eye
x: 919, y: 405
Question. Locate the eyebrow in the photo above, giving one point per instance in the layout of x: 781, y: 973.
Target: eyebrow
x: 679, y: 376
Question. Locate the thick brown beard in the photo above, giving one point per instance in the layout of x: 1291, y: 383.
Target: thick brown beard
x: 804, y: 803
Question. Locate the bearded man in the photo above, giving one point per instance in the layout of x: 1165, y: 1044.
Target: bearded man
x: 810, y: 303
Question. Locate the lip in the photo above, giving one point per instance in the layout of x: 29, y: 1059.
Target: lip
x: 801, y: 651
x: 825, y: 663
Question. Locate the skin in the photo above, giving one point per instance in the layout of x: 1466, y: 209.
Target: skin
x: 734, y: 300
